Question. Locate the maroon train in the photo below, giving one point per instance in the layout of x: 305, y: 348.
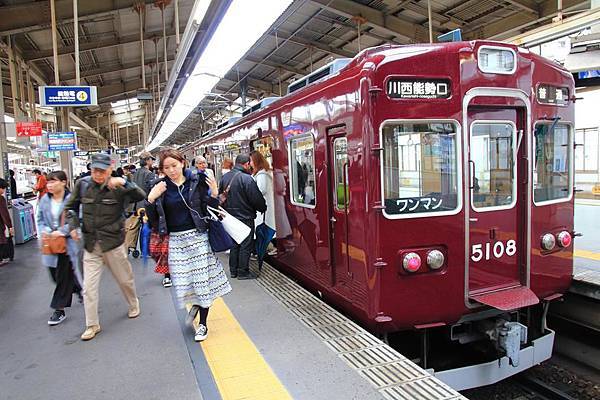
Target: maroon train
x: 426, y: 188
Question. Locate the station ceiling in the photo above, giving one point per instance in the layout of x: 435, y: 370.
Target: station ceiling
x: 308, y: 35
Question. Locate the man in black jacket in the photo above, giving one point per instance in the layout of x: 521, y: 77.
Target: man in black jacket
x: 103, y: 200
x: 244, y: 199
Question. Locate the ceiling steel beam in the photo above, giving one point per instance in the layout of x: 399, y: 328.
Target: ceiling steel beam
x: 319, y: 46
x: 525, y: 5
x: 508, y: 26
x: 34, y: 55
x: 273, y: 64
x: 35, y: 15
x: 107, y: 69
x: 376, y: 19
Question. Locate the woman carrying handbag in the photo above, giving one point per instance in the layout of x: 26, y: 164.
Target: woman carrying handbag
x: 177, y: 206
x: 60, y: 253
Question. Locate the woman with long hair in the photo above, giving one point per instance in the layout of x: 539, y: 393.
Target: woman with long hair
x: 64, y: 268
x: 176, y: 206
x: 263, y: 175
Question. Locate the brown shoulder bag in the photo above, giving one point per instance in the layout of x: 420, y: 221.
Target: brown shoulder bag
x: 54, y: 244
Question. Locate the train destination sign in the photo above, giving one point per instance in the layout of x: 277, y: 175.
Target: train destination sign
x: 408, y: 88
x: 122, y: 151
x: 81, y: 153
x: 548, y: 94
x: 68, y: 96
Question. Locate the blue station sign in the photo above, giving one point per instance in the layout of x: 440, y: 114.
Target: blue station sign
x: 68, y: 96
x: 62, y: 141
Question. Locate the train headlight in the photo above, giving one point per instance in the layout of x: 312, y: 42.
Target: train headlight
x: 564, y: 239
x: 411, y: 262
x: 497, y: 60
x: 435, y: 259
x: 548, y: 241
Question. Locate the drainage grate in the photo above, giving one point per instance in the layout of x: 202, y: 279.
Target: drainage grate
x: 394, y: 376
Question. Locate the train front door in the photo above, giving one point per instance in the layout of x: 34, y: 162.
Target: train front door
x: 338, y: 204
x: 497, y: 204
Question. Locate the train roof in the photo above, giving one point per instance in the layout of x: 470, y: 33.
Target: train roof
x: 378, y: 55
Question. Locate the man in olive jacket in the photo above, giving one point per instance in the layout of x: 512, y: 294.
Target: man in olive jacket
x: 102, y: 200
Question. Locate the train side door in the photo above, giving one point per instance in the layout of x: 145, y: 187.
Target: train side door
x: 339, y: 193
x: 498, y: 182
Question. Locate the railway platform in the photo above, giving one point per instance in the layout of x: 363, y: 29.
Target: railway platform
x: 268, y: 339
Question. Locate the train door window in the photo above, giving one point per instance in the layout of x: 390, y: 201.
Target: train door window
x: 264, y: 146
x: 342, y: 194
x: 420, y: 169
x: 492, y: 150
x: 302, y: 171
x: 553, y: 173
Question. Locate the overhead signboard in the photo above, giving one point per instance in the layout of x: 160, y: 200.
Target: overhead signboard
x: 81, y: 153
x: 29, y: 129
x: 92, y: 152
x: 62, y: 141
x: 122, y: 151
x: 68, y: 96
x: 409, y: 88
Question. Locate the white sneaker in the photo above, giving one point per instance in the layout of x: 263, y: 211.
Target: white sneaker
x: 201, y: 333
x: 167, y: 282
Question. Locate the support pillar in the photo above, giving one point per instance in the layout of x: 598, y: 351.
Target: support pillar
x: 157, y: 69
x: 76, y: 31
x: 162, y: 12
x: 3, y: 146
x: 140, y: 8
x: 177, y: 40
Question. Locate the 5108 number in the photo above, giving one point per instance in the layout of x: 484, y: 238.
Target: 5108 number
x: 489, y: 250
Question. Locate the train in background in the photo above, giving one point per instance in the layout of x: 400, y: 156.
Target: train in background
x: 427, y: 189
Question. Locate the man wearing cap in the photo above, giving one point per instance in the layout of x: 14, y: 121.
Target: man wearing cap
x: 143, y: 177
x: 103, y: 200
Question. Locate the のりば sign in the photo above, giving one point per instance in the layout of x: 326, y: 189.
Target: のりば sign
x: 68, y: 96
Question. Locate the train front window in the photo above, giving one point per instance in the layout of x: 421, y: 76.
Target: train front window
x: 552, y: 172
x: 492, y: 155
x: 302, y: 171
x: 420, y: 170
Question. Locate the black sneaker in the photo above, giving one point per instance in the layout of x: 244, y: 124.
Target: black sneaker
x: 80, y: 298
x: 57, y: 317
x: 201, y: 333
x: 166, y: 282
x: 250, y: 275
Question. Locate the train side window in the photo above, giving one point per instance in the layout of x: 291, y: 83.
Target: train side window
x: 553, y: 173
x: 420, y: 169
x: 302, y: 171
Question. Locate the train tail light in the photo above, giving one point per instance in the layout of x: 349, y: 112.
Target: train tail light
x: 564, y: 239
x: 435, y: 259
x: 411, y: 262
x: 548, y: 241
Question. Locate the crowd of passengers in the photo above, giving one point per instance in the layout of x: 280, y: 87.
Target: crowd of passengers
x: 95, y: 225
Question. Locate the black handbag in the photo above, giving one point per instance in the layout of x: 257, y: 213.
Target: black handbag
x: 218, y: 238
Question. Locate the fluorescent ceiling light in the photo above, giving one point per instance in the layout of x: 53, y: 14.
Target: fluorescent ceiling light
x: 243, y: 24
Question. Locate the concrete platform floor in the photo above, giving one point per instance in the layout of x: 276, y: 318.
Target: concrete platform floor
x: 153, y: 356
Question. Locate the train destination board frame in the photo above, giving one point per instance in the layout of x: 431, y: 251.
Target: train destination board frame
x: 419, y: 88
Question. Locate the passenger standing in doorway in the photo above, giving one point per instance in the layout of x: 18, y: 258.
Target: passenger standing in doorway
x: 177, y: 206
x: 64, y: 268
x: 103, y: 200
x: 40, y: 183
x: 262, y: 174
x: 202, y: 166
x: 6, y: 228
x: 244, y: 199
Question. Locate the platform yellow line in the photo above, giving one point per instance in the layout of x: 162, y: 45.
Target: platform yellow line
x: 591, y: 255
x: 237, y: 366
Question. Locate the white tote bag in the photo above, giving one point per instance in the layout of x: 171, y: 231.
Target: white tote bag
x: 233, y: 226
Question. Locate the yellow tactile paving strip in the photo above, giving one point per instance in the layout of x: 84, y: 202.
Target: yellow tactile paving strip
x: 587, y: 254
x: 237, y: 366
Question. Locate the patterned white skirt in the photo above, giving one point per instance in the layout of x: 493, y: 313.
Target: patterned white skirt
x: 196, y: 272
